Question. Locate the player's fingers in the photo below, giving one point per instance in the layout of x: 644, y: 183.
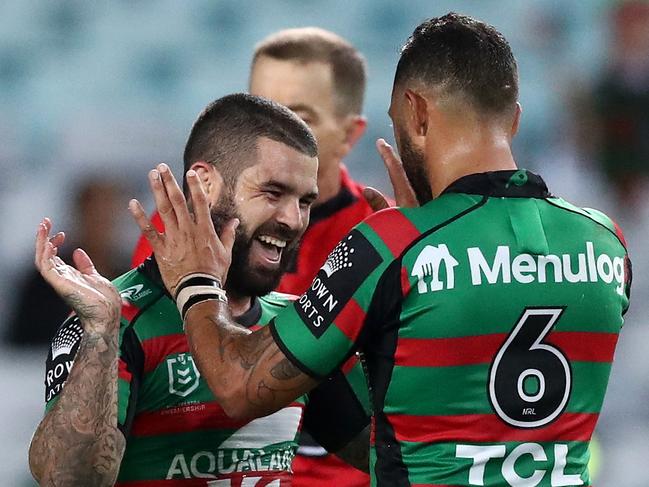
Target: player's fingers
x: 403, y: 192
x: 83, y: 262
x: 46, y: 249
x: 162, y: 202
x: 176, y: 196
x: 229, y: 234
x: 58, y: 239
x: 146, y: 227
x: 375, y: 199
x: 200, y: 204
x: 41, y: 240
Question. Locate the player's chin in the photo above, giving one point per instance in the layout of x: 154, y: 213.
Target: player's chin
x: 261, y: 281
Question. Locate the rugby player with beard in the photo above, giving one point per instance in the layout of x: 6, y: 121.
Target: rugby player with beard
x: 125, y: 401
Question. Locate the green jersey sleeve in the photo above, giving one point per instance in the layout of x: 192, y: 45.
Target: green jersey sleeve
x: 324, y: 326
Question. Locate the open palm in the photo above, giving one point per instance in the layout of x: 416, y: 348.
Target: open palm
x: 87, y: 292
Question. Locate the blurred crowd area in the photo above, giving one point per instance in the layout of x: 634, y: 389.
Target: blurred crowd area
x: 93, y: 94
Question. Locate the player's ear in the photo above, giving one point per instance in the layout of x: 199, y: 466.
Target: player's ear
x: 211, y: 179
x: 416, y: 113
x: 517, y: 120
x: 355, y: 126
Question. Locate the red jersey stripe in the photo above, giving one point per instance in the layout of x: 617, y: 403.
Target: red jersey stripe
x: 122, y: 371
x: 485, y: 428
x: 618, y: 232
x: 195, y: 417
x: 584, y: 346
x: 384, y: 224
x: 472, y: 350
x: 129, y: 310
x: 350, y: 319
x: 447, y: 352
x: 405, y: 281
x: 157, y: 348
x: 349, y: 364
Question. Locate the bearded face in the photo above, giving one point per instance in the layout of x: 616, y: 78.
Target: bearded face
x: 260, y: 256
x: 415, y: 168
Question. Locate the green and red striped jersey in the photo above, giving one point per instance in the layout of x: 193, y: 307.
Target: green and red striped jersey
x: 488, y: 319
x: 177, y: 434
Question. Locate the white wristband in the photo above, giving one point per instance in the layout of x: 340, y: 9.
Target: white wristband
x: 196, y: 288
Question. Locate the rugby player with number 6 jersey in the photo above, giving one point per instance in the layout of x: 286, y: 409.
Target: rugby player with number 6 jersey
x: 125, y: 401
x: 488, y: 316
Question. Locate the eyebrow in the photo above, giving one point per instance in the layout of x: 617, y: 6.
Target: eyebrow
x: 278, y: 185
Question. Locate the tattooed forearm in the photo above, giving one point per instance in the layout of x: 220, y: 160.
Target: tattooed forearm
x: 247, y: 372
x: 357, y: 452
x: 285, y: 370
x: 78, y: 442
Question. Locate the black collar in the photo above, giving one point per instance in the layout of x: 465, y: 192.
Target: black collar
x: 151, y: 271
x: 508, y: 184
x: 343, y: 199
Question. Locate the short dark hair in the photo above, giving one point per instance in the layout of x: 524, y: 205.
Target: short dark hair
x: 462, y: 56
x: 312, y: 44
x: 226, y: 132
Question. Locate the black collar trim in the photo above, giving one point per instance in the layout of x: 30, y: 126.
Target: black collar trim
x: 508, y: 184
x: 252, y: 316
x: 343, y: 199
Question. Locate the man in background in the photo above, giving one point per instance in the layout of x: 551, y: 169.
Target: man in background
x: 321, y: 77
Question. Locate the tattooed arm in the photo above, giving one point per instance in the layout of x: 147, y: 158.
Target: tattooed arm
x: 247, y: 372
x: 78, y: 442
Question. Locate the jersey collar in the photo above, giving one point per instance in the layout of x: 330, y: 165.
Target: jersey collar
x: 520, y: 183
x: 252, y: 316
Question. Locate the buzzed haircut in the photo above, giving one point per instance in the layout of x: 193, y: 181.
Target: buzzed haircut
x: 227, y: 130
x: 312, y: 44
x: 462, y: 56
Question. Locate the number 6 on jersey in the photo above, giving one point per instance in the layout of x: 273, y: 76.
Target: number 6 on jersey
x: 529, y: 380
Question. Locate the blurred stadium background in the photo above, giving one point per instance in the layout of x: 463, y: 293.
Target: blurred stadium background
x: 102, y: 91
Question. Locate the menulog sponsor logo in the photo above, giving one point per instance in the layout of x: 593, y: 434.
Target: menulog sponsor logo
x: 505, y: 268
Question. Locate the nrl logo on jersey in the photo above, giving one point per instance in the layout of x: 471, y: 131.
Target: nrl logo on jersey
x: 183, y: 375
x: 434, y: 268
x: 133, y: 293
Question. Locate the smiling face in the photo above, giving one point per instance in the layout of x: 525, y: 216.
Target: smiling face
x: 272, y: 200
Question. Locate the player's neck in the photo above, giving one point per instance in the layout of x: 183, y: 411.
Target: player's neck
x: 328, y: 182
x: 238, y: 304
x: 457, y: 160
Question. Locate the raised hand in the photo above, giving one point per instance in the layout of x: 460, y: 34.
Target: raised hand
x: 190, y: 243
x: 88, y: 293
x: 403, y: 193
